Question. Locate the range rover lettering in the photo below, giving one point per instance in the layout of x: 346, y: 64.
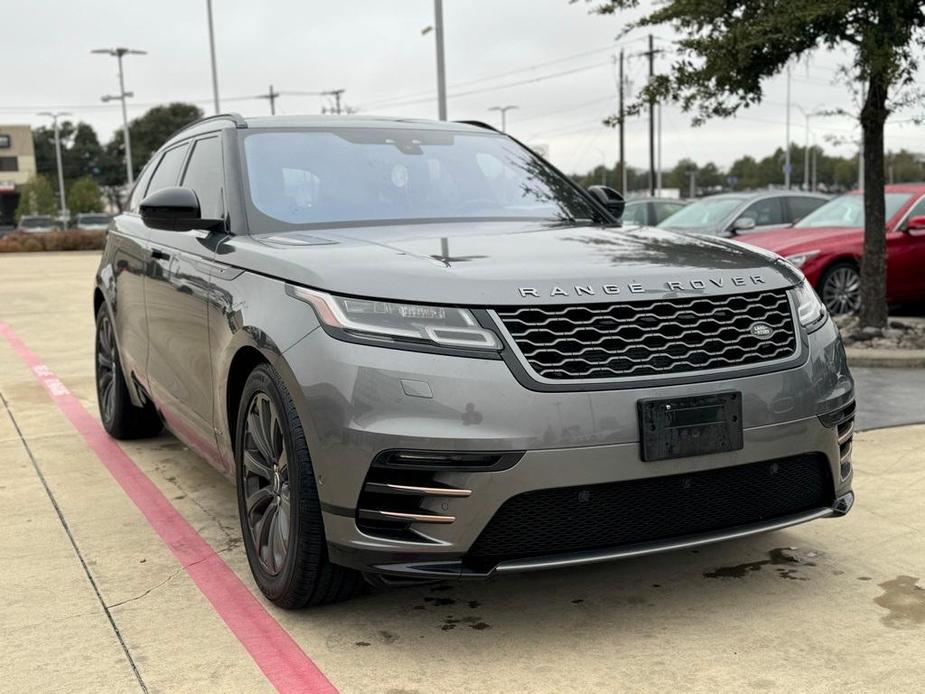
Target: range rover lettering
x: 421, y: 352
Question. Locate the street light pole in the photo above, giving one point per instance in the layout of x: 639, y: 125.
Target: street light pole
x: 441, y: 70
x: 121, y: 96
x: 503, y: 110
x: 212, y: 53
x: 54, y: 117
x: 787, y: 138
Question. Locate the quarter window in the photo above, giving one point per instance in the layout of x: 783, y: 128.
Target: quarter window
x: 168, y: 170
x: 204, y: 176
x: 800, y: 207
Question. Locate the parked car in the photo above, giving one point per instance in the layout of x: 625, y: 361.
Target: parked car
x: 36, y: 224
x: 422, y: 352
x: 92, y: 221
x: 650, y: 211
x: 828, y: 244
x: 730, y: 214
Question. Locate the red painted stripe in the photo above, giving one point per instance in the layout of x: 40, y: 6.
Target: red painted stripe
x: 274, y: 651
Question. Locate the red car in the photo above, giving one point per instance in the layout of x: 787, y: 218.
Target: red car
x: 827, y: 246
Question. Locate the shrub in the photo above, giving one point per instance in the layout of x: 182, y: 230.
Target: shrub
x: 70, y: 240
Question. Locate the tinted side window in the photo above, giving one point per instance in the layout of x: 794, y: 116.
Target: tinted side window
x: 765, y: 212
x: 800, y: 207
x: 168, y: 169
x: 917, y: 209
x: 204, y: 175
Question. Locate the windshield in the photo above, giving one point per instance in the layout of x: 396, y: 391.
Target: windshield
x: 92, y: 219
x: 366, y: 175
x: 703, y: 214
x: 848, y: 211
x: 35, y: 222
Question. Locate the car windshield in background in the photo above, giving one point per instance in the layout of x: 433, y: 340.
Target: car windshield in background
x: 36, y: 222
x: 704, y: 214
x: 634, y: 213
x: 93, y: 219
x: 848, y: 211
x: 365, y: 175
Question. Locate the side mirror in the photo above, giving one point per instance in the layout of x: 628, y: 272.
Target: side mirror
x: 609, y: 198
x: 916, y: 223
x: 743, y: 224
x: 175, y: 209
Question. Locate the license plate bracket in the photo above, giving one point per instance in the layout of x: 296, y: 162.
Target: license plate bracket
x: 690, y: 426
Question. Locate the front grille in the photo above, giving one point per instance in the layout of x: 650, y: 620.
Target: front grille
x: 646, y: 338
x: 570, y: 519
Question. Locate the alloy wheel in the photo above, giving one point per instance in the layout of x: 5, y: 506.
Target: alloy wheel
x: 265, y: 472
x: 105, y: 367
x: 841, y: 292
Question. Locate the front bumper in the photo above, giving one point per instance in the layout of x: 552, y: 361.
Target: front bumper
x: 357, y: 401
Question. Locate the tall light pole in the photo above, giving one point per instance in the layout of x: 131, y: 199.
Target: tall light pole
x: 503, y: 110
x: 121, y: 96
x: 212, y: 54
x: 54, y: 117
x: 787, y: 137
x: 441, y: 71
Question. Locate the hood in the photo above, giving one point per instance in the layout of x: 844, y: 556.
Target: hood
x: 507, y: 263
x: 790, y: 240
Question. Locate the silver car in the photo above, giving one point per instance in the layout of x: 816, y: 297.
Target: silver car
x: 421, y: 352
x: 729, y: 214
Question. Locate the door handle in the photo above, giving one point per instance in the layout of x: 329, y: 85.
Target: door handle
x: 158, y: 254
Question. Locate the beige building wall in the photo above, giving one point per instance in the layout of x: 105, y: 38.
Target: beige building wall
x: 19, y: 141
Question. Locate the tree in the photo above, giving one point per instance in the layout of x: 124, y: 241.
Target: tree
x: 150, y: 131
x: 84, y: 195
x: 728, y: 48
x: 36, y: 197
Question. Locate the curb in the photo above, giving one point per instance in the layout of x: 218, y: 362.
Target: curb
x: 888, y: 358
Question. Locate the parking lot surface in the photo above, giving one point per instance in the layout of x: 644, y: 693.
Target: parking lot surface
x: 99, y: 597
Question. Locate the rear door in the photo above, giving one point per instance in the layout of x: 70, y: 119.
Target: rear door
x: 177, y: 293
x: 798, y: 206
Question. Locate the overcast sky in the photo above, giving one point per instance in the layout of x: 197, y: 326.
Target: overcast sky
x: 550, y: 58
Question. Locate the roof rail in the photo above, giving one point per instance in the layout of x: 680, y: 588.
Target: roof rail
x: 478, y: 124
x: 235, y: 118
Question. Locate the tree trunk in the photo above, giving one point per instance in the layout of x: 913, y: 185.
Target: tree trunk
x: 873, y: 263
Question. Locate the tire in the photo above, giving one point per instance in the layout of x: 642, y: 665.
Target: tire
x: 121, y: 419
x: 278, y: 503
x: 840, y: 288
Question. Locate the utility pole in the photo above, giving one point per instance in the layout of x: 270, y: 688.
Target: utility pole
x: 651, y: 54
x: 622, y: 140
x: 272, y: 96
x: 212, y: 53
x: 54, y: 117
x: 503, y: 110
x: 787, y: 144
x: 337, y: 94
x: 658, y: 166
x: 692, y: 175
x: 441, y: 70
x: 122, y: 95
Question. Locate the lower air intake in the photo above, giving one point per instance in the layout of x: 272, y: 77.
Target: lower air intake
x: 572, y: 519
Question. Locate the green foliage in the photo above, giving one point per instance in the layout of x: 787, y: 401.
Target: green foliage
x: 84, y: 195
x: 71, y: 240
x: 150, y: 131
x: 36, y: 197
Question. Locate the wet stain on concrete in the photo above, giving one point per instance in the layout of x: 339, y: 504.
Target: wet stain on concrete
x: 864, y: 578
x: 361, y: 643
x: 577, y: 601
x: 441, y: 588
x: 905, y: 602
x: 387, y: 636
x: 480, y: 626
x: 451, y: 622
x: 781, y: 556
x: 474, y: 604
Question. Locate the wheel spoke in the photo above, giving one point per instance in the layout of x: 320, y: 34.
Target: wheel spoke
x: 258, y: 498
x: 255, y: 429
x: 255, y: 466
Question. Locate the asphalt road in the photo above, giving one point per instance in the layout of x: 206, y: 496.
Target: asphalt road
x: 889, y: 397
x: 99, y: 596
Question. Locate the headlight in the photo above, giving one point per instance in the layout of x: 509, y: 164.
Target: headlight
x: 811, y: 311
x: 442, y: 326
x: 800, y: 259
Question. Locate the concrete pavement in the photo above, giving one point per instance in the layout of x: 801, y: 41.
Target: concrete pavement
x: 97, y: 602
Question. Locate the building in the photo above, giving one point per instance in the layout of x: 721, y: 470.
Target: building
x: 17, y: 166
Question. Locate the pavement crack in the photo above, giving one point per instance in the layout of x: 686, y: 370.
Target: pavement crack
x: 76, y: 548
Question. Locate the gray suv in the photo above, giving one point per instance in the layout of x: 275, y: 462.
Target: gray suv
x: 421, y: 352
x: 730, y: 214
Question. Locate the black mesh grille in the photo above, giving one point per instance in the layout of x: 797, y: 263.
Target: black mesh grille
x: 570, y: 519
x: 652, y: 337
